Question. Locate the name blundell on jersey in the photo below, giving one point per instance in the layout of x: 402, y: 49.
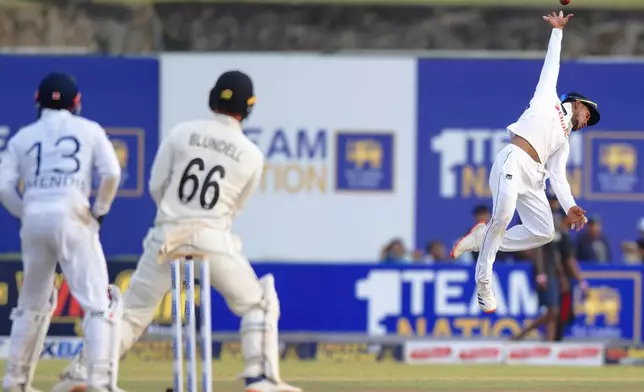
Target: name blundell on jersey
x: 228, y: 149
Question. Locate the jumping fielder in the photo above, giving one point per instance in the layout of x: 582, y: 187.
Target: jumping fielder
x: 203, y: 174
x: 55, y: 157
x: 538, y: 150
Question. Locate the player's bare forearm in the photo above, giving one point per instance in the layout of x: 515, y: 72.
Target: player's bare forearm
x: 573, y: 267
x: 539, y: 262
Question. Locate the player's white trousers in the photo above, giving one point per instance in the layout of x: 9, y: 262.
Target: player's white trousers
x: 517, y: 182
x: 230, y: 274
x: 51, y: 237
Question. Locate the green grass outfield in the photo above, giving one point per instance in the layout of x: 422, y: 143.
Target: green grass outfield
x: 554, y: 4
x: 329, y: 376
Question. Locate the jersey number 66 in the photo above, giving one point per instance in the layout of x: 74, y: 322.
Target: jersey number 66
x: 209, y: 187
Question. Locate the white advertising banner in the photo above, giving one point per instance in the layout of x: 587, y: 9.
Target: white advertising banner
x: 451, y: 352
x: 512, y: 353
x: 339, y: 137
x: 570, y: 353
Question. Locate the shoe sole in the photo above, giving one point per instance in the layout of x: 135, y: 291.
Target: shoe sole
x: 451, y: 254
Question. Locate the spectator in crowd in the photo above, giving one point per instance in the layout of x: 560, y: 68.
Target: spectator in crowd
x: 524, y: 255
x: 571, y: 269
x: 435, y: 251
x: 592, y: 245
x: 395, y: 252
x: 480, y: 214
x: 556, y: 270
x: 634, y: 250
x: 548, y: 277
x: 572, y: 273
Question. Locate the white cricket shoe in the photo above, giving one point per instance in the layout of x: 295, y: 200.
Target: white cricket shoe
x: 69, y: 385
x: 262, y: 386
x: 486, y: 298
x: 270, y: 386
x: 73, y: 378
x: 76, y: 370
x: 471, y: 242
x: 94, y: 389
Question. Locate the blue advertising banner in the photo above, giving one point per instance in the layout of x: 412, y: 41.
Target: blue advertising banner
x: 440, y: 301
x: 463, y: 109
x: 437, y: 301
x: 123, y: 96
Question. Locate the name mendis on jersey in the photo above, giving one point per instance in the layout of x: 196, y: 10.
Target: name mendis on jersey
x: 56, y: 181
x: 221, y: 146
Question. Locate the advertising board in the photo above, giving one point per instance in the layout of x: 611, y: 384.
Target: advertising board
x: 464, y: 107
x: 437, y: 301
x: 121, y: 94
x: 338, y: 135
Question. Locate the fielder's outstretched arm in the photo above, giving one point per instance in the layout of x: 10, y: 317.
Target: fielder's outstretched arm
x: 9, y: 177
x: 556, y: 165
x: 109, y: 171
x: 547, y: 85
x: 161, y: 170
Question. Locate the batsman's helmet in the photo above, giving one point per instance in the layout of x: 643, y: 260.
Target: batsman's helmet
x: 233, y: 93
x: 592, y: 106
x: 58, y: 91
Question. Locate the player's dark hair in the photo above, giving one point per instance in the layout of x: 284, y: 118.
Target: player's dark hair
x: 480, y: 209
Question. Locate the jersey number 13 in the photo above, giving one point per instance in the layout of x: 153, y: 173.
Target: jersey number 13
x: 210, y: 187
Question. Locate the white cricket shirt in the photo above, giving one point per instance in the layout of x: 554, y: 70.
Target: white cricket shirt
x: 56, y: 157
x: 205, y: 171
x: 546, y: 123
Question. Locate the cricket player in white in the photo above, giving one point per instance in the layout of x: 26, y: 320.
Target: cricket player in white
x: 55, y: 157
x: 203, y: 175
x: 538, y: 150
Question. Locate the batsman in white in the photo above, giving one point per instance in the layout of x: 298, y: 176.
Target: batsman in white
x: 538, y: 150
x: 56, y: 157
x: 203, y: 175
